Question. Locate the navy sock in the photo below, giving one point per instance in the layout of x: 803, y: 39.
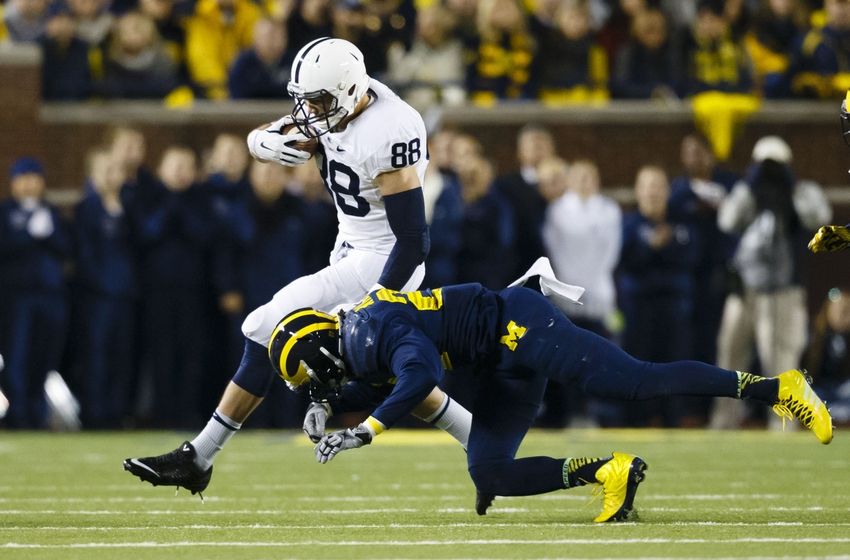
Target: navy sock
x: 582, y: 470
x: 255, y: 373
x: 756, y: 387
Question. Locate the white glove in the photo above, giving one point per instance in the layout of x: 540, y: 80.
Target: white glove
x: 315, y: 420
x: 271, y: 145
x: 40, y: 224
x: 333, y: 443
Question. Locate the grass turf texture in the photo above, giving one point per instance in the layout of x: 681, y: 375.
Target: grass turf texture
x: 707, y: 494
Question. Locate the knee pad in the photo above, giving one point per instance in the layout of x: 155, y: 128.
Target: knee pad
x: 259, y: 324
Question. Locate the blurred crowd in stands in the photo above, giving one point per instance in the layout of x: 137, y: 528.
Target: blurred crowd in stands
x: 137, y: 295
x: 557, y: 51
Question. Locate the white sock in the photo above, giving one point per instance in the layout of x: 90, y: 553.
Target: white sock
x: 212, y: 438
x: 453, y: 419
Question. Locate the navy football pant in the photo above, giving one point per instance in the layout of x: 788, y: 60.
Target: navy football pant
x: 538, y: 343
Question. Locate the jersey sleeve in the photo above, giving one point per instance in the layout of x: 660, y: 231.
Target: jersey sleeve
x: 401, y: 144
x: 414, y: 361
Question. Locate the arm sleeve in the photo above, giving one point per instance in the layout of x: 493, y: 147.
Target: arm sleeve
x: 811, y: 205
x: 737, y: 210
x: 406, y: 216
x: 416, y: 365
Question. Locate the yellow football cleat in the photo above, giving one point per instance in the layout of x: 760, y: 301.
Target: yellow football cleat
x: 619, y: 479
x: 830, y: 239
x: 798, y: 400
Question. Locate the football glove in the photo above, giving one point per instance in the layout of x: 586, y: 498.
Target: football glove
x: 333, y: 443
x: 315, y: 420
x: 272, y: 144
x: 830, y: 238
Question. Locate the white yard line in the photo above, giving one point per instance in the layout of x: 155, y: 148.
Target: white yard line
x: 479, y: 525
x: 432, y: 542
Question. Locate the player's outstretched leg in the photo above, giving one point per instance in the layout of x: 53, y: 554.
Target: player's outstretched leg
x: 798, y: 400
x: 619, y: 478
x: 175, y: 468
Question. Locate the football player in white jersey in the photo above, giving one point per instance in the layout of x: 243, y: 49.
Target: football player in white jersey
x: 372, y: 156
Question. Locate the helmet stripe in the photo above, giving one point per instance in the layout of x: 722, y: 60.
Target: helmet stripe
x: 287, y: 348
x: 306, y: 50
x: 305, y: 312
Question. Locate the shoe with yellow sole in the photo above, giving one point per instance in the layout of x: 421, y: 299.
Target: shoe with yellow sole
x: 619, y: 479
x: 798, y: 400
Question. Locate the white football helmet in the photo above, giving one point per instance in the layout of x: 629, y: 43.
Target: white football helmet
x: 328, y: 79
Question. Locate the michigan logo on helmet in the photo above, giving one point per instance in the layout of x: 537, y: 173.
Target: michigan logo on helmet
x: 305, y: 348
x: 328, y: 79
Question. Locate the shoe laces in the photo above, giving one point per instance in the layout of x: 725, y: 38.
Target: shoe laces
x: 791, y: 408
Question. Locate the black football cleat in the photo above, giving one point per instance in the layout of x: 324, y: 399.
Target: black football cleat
x: 482, y: 502
x: 175, y: 468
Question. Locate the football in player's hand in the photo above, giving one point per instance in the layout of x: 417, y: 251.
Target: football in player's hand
x: 308, y: 145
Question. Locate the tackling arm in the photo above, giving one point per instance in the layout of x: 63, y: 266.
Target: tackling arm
x: 417, y: 368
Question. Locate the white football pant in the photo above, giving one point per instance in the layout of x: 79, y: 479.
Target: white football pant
x: 341, y: 284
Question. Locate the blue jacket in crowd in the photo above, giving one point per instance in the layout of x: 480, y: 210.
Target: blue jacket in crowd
x: 665, y: 271
x: 174, y: 237
x: 105, y: 261
x: 27, y: 263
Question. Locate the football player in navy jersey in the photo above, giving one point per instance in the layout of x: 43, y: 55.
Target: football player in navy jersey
x: 517, y: 340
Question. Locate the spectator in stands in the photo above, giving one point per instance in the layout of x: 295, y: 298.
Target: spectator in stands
x: 307, y: 183
x: 656, y: 287
x: 717, y: 75
x: 534, y: 144
x: 309, y: 20
x: 23, y: 21
x: 34, y: 244
x: 274, y: 240
x: 582, y: 235
x: 821, y: 66
x: 569, y: 65
x: 827, y: 358
x: 500, y: 57
x: 93, y: 20
x: 714, y: 60
x: 464, y: 13
x: 444, y: 212
x: 227, y: 191
x: 174, y: 235
x: 375, y: 27
x: 141, y: 188
x: 215, y: 34
x: 775, y: 214
x: 137, y: 64
x: 645, y: 66
x: 432, y: 70
x: 169, y: 25
x: 770, y: 42
x: 65, y: 71
x: 694, y: 198
x: 105, y: 282
x: 487, y: 231
x: 262, y: 71
x: 618, y: 25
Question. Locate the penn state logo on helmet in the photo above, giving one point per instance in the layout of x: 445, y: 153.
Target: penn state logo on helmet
x: 328, y: 79
x: 305, y: 348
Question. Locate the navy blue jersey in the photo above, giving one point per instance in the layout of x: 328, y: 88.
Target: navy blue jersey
x: 407, y: 338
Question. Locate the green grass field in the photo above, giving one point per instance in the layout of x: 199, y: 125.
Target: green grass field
x: 707, y: 494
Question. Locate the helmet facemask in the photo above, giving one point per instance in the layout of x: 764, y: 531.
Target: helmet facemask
x: 845, y: 123
x: 316, y: 113
x: 325, y: 369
